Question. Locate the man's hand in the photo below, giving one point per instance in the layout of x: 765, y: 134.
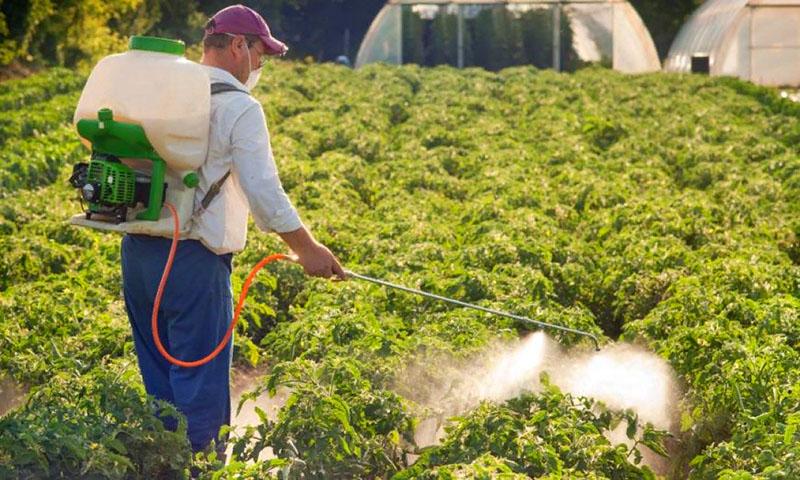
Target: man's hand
x: 320, y: 262
x: 315, y: 257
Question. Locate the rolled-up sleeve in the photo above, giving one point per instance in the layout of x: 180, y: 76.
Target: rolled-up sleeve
x: 255, y: 168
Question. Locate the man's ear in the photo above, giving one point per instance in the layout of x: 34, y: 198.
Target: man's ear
x: 236, y: 46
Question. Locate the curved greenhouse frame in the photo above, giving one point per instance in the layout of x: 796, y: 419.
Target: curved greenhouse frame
x: 492, y: 34
x: 757, y: 40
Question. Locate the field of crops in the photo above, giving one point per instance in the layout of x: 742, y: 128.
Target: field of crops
x: 654, y: 209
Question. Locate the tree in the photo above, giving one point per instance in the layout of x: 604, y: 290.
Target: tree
x: 69, y: 32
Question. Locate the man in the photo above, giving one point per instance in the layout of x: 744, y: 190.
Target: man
x: 196, y: 308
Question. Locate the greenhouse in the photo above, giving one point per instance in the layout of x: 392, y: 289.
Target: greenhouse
x: 562, y: 35
x: 757, y: 40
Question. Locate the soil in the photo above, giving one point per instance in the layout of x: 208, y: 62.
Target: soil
x: 246, y: 380
x: 16, y: 70
x: 12, y: 395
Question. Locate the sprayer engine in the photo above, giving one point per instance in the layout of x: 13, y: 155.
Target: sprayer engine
x: 110, y: 187
x: 124, y: 172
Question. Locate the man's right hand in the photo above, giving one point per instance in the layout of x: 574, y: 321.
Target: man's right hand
x: 320, y: 262
x: 316, y: 259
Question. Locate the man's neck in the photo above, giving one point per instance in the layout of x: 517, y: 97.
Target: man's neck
x: 211, y: 61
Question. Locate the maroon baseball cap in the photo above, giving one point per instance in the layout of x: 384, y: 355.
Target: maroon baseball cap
x: 241, y: 20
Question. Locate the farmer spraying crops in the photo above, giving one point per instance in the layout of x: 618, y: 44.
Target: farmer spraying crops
x: 239, y: 176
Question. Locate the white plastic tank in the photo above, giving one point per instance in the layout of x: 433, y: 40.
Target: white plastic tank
x: 154, y: 86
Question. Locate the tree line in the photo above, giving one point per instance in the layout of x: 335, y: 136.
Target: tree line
x: 75, y: 33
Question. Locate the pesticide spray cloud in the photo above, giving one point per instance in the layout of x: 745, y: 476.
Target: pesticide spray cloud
x: 622, y: 376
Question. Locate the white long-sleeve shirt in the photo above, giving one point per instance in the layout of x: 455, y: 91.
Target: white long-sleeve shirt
x: 239, y: 142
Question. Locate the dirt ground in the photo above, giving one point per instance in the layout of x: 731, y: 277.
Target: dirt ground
x: 12, y: 394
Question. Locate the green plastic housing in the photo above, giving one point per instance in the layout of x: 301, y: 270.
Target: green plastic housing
x: 157, y: 44
x: 126, y: 140
x: 117, y: 181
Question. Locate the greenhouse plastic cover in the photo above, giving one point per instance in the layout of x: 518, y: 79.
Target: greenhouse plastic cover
x: 756, y: 40
x: 596, y: 24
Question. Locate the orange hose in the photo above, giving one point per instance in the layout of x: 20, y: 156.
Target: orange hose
x: 196, y: 363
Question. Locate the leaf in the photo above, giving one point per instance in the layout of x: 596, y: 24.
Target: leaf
x: 630, y: 431
x: 116, y: 445
x: 262, y: 415
x: 788, y: 434
x: 394, y: 437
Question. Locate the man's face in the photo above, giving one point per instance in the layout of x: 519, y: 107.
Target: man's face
x: 242, y: 52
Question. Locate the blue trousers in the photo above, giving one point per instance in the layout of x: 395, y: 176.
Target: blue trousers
x: 195, y: 312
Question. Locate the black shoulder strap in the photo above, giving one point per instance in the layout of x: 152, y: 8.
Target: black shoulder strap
x: 222, y: 87
x: 213, y: 191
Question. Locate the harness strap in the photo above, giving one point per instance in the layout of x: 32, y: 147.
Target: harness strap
x: 222, y: 87
x: 216, y: 187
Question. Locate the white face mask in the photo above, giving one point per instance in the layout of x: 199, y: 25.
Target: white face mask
x: 254, y: 75
x: 252, y: 78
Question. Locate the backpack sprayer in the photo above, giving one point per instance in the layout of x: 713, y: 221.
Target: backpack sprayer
x: 147, y: 162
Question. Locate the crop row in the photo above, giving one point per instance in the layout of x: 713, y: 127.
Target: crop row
x: 35, y: 138
x: 23, y: 95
